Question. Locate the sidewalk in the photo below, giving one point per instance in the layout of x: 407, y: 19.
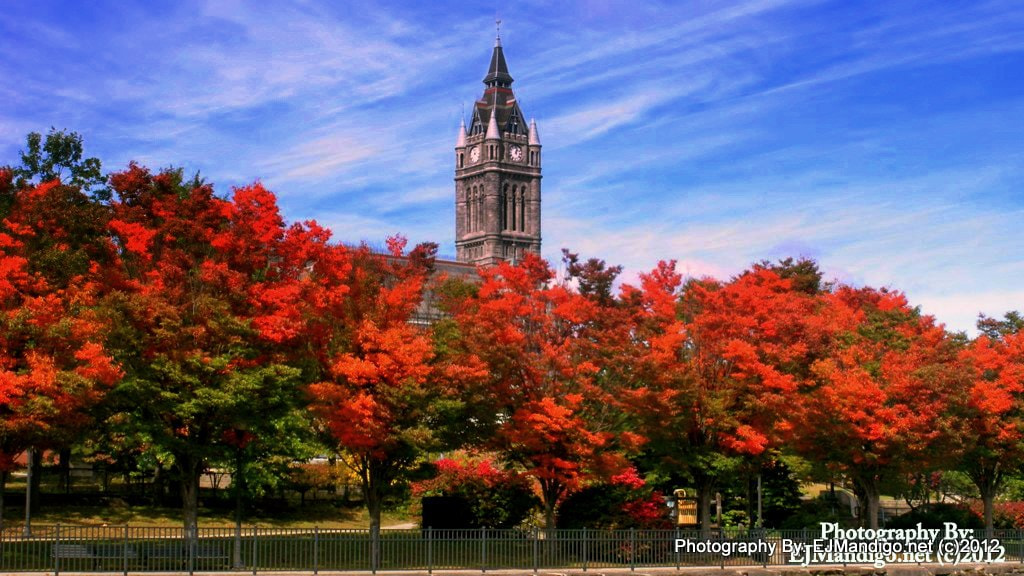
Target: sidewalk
x: 822, y: 570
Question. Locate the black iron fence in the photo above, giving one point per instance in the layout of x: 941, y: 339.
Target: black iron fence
x: 124, y: 549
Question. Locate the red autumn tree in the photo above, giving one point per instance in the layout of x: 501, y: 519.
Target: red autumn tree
x: 991, y: 416
x: 538, y: 340
x: 53, y: 367
x: 714, y: 367
x: 193, y: 323
x: 878, y: 403
x: 377, y: 386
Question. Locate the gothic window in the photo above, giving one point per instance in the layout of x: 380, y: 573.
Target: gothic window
x: 475, y: 216
x: 522, y: 210
x: 480, y: 216
x: 461, y: 159
x: 513, y: 122
x: 478, y: 124
x: 503, y: 203
x: 512, y: 208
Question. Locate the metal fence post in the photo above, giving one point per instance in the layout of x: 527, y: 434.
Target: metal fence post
x: 125, y: 550
x: 483, y: 550
x: 632, y: 549
x: 721, y: 557
x: 676, y: 548
x: 255, y: 546
x: 584, y: 548
x: 430, y: 550
x: 316, y: 549
x: 56, y: 545
x: 535, y: 536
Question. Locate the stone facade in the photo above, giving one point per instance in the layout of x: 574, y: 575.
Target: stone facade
x: 497, y: 176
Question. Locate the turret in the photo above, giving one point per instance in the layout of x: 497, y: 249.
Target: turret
x: 460, y: 140
x: 492, y: 126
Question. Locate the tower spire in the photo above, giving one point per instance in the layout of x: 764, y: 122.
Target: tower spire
x: 497, y: 72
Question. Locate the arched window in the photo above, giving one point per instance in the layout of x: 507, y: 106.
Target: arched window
x: 522, y: 209
x: 514, y: 223
x: 474, y: 217
x: 480, y: 209
x: 513, y: 122
x: 503, y: 207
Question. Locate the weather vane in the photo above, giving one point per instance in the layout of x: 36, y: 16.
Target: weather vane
x: 497, y: 26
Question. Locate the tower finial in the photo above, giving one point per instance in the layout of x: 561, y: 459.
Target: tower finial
x: 497, y: 30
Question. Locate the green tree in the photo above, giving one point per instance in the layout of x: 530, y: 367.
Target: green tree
x: 59, y: 157
x: 207, y: 284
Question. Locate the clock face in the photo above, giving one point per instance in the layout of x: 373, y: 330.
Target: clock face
x: 516, y: 153
x: 474, y: 154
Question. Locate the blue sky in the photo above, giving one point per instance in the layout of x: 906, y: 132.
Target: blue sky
x: 884, y: 139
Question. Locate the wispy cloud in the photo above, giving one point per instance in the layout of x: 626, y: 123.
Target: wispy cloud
x: 880, y: 138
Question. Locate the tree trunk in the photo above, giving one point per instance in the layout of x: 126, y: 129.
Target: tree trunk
x: 704, y: 497
x: 190, y: 468
x: 872, y: 494
x: 373, y: 506
x: 862, y: 502
x: 65, y: 470
x: 29, y: 468
x: 37, y: 479
x: 550, y: 520
x: 988, y: 499
x: 550, y: 491
x: 752, y: 494
x: 238, y: 482
x: 374, y: 484
x: 987, y: 478
x: 3, y: 491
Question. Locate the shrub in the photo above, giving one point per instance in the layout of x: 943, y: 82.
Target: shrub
x: 624, y: 502
x: 496, y: 498
x: 934, y: 515
x: 1005, y: 516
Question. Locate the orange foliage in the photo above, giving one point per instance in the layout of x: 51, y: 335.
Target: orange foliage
x: 53, y: 367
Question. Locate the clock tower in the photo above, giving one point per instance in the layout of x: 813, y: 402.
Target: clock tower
x: 497, y: 175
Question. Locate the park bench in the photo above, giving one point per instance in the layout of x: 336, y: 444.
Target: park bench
x: 176, y: 555
x: 97, y: 553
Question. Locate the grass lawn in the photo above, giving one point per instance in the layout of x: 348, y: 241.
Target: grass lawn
x: 324, y: 515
